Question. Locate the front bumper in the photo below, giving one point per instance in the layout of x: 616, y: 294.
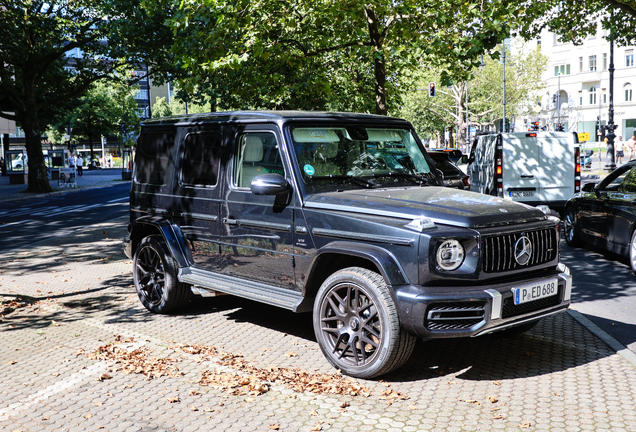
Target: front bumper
x: 445, y: 312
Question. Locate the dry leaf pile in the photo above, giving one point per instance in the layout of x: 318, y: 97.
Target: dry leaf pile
x: 233, y: 384
x: 138, y: 361
x: 8, y: 306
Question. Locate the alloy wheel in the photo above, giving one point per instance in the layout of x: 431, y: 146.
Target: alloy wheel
x: 150, y: 275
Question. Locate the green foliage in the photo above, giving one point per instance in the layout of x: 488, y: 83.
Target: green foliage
x: 328, y: 54
x: 574, y: 20
x: 162, y: 108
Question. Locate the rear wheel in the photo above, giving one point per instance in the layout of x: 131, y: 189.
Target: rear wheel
x: 155, y: 276
x: 357, y: 325
x: 571, y: 228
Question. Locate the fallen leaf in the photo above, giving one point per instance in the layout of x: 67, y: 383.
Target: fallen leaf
x: 174, y: 399
x: 12, y: 362
x: 497, y: 383
x: 98, y: 403
x: 194, y: 393
x: 87, y: 416
x: 104, y: 377
x: 291, y: 354
x: 525, y: 425
x: 314, y: 413
x: 498, y: 417
x: 412, y: 407
x: 493, y: 399
x: 274, y: 426
x: 194, y: 408
x: 344, y: 405
x: 55, y: 323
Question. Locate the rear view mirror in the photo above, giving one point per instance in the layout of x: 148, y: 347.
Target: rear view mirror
x: 270, y: 184
x: 588, y: 187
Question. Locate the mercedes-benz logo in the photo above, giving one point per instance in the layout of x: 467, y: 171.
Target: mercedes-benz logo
x: 523, y: 250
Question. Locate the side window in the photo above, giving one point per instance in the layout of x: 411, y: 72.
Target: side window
x: 256, y: 153
x: 152, y: 161
x: 629, y: 182
x: 201, y: 158
x: 614, y: 181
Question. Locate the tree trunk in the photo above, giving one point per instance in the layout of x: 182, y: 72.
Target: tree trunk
x: 379, y: 63
x: 38, y: 180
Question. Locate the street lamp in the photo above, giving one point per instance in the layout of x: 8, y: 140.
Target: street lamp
x: 611, y: 127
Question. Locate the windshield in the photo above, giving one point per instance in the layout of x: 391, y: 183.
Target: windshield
x: 333, y: 158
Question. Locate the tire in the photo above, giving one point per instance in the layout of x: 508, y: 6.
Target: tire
x: 632, y: 252
x: 353, y: 305
x: 155, y: 276
x: 571, y: 229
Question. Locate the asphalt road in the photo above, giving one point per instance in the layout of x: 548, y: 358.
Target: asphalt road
x: 604, y: 290
x: 27, y: 222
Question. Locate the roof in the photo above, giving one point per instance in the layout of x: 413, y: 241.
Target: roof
x: 229, y: 116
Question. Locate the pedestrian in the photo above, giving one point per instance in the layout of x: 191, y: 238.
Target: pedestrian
x: 71, y: 161
x: 631, y: 146
x: 619, y: 152
x: 79, y: 161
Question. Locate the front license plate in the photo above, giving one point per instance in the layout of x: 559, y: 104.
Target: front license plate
x: 521, y: 194
x: 535, y: 291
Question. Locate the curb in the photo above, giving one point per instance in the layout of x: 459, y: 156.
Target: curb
x: 620, y: 349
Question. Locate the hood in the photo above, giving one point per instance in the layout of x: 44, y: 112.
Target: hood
x: 442, y: 205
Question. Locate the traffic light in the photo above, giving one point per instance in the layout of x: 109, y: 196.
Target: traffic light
x: 534, y: 126
x: 559, y: 127
x: 598, y: 123
x: 554, y: 98
x: 431, y: 89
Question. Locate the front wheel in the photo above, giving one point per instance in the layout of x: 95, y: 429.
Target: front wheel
x: 632, y: 252
x: 570, y: 225
x: 357, y: 325
x: 155, y: 276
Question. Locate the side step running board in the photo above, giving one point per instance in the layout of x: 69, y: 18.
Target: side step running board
x: 259, y: 292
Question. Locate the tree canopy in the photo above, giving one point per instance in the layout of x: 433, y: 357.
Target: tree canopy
x: 53, y: 51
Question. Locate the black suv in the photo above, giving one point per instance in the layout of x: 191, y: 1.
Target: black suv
x: 339, y: 214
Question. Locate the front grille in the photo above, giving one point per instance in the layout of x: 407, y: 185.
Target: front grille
x: 454, y: 316
x: 498, y: 251
x: 509, y: 309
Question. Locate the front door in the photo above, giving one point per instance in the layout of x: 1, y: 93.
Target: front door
x: 257, y: 230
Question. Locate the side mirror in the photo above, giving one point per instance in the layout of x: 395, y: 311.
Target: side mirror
x: 588, y: 187
x: 270, y: 184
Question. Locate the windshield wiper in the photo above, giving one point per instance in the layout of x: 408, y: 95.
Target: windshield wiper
x: 411, y: 177
x: 357, y: 180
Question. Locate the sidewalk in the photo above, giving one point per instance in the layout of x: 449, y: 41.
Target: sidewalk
x: 80, y: 353
x: 91, y: 178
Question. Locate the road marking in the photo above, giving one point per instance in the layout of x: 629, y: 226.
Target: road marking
x: 118, y: 199
x: 76, y: 378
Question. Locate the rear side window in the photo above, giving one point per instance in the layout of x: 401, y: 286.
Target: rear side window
x: 201, y: 159
x: 152, y: 161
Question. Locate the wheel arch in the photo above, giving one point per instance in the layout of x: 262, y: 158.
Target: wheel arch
x: 339, y: 255
x: 153, y: 225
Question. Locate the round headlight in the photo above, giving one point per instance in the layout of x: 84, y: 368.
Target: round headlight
x: 450, y: 255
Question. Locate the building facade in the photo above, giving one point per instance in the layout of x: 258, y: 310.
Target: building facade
x: 577, y: 92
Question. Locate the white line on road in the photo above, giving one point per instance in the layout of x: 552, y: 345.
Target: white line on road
x: 76, y: 378
x: 14, y: 223
x: 118, y: 199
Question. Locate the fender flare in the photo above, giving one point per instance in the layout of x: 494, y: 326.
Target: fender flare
x: 385, y: 261
x: 171, y: 234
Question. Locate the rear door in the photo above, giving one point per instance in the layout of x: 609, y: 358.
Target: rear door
x: 555, y: 173
x: 521, y: 167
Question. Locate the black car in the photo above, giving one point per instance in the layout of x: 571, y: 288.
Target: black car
x: 453, y: 176
x: 339, y: 214
x: 604, y: 214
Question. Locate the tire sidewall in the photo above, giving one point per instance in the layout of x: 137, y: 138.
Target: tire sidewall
x: 632, y: 256
x: 576, y: 238
x: 388, y: 335
x: 156, y: 244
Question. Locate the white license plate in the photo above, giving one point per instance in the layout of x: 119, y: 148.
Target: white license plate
x: 521, y: 194
x: 535, y: 291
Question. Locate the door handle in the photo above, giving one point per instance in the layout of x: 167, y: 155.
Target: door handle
x: 230, y: 221
x: 527, y: 176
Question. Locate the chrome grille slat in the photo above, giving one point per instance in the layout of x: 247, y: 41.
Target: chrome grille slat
x: 498, y: 250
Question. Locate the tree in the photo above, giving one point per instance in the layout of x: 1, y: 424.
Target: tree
x: 52, y: 52
x: 574, y: 20
x: 448, y: 108
x: 316, y: 43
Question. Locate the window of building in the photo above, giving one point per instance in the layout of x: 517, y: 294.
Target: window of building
x: 592, y: 63
x: 628, y: 92
x: 142, y: 94
x: 580, y: 64
x: 562, y: 69
x: 604, y: 61
x: 593, y: 96
x: 581, y: 98
x: 629, y: 58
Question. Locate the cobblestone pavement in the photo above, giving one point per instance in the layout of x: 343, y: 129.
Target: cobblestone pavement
x: 74, y: 294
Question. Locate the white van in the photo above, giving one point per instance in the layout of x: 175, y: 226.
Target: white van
x: 535, y: 168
